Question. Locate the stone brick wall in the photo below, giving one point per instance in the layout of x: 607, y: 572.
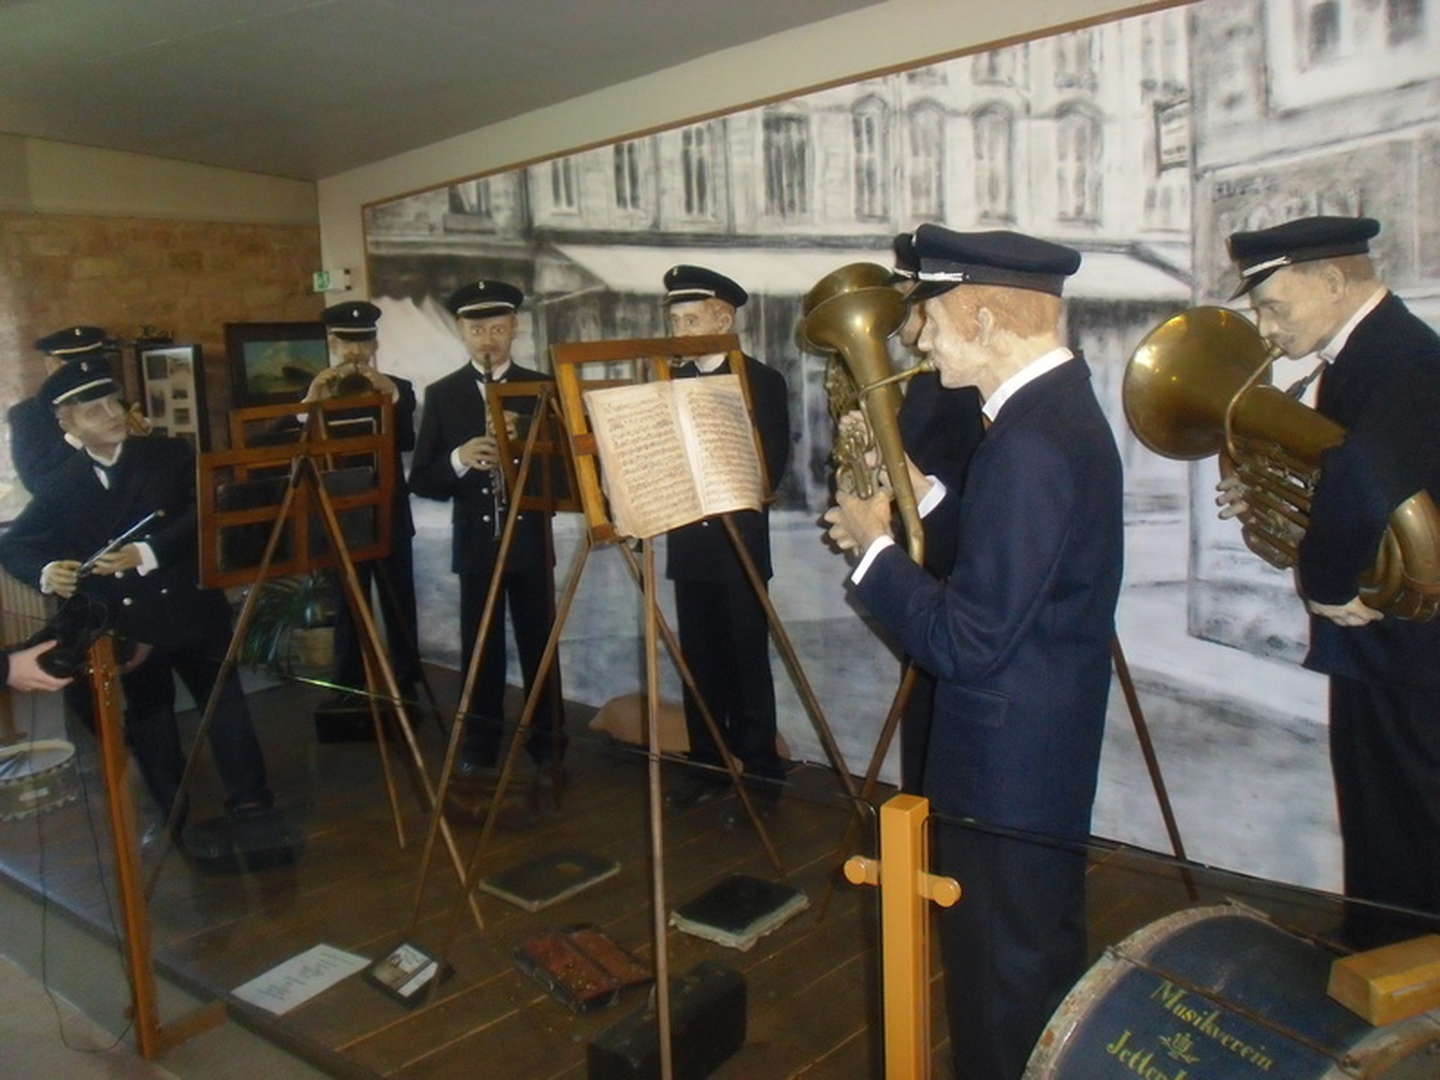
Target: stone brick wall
x: 185, y: 277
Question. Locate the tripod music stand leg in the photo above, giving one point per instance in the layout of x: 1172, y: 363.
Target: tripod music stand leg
x: 467, y: 692
x: 792, y: 661
x: 382, y: 749
x: 1152, y: 762
x: 387, y: 588
x: 872, y: 772
x: 677, y: 657
x: 361, y: 610
x: 227, y: 666
x: 532, y: 701
x: 657, y: 839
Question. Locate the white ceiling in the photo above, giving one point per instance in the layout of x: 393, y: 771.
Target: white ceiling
x: 310, y: 88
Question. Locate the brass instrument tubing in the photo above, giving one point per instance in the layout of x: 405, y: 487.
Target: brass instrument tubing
x: 1261, y: 368
x: 900, y: 376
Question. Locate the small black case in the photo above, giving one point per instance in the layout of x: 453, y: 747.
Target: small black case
x: 707, y: 1026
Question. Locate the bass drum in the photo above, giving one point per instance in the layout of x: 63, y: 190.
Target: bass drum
x: 1222, y: 993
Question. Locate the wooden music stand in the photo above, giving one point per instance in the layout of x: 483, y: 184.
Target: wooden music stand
x: 305, y: 492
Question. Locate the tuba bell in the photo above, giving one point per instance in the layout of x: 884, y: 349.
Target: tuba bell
x: 1199, y: 384
x: 851, y: 312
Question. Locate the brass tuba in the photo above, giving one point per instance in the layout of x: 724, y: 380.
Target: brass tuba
x: 851, y: 312
x: 1199, y: 384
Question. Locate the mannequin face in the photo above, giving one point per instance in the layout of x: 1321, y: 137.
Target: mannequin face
x: 955, y: 337
x: 347, y: 350
x: 1298, y: 309
x: 700, y: 318
x: 488, y: 341
x: 96, y: 425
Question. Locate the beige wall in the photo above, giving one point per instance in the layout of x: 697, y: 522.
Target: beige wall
x: 899, y: 32
x: 61, y: 178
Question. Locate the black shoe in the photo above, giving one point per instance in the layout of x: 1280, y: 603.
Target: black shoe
x: 764, y: 797
x: 692, y: 790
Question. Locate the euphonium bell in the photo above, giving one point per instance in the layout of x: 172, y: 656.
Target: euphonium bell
x: 851, y: 312
x: 1199, y: 384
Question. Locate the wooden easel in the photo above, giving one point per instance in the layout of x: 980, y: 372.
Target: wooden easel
x: 582, y: 491
x: 305, y: 491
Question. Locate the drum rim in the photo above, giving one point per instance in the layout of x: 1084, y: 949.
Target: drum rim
x: 29, y: 746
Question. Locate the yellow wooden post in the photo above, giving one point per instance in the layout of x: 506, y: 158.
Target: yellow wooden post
x: 905, y: 887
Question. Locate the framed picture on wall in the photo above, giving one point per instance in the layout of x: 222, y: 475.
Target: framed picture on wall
x: 271, y: 363
x: 172, y: 383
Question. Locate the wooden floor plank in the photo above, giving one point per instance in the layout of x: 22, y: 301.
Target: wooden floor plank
x: 812, y: 985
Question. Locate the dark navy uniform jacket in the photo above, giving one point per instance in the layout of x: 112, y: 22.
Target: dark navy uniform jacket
x: 1018, y: 638
x: 702, y: 551
x: 73, y: 515
x: 37, y: 445
x: 454, y: 412
x: 1384, y: 389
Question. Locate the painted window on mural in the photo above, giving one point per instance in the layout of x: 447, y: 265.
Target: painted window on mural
x: 1077, y: 61
x: 996, y: 67
x: 472, y: 197
x: 696, y: 154
x: 927, y: 162
x: 868, y: 133
x: 994, y: 164
x: 787, y: 165
x: 564, y: 190
x: 627, y: 175
x: 1404, y: 20
x: 1077, y: 159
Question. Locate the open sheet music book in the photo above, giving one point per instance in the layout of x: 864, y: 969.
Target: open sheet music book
x: 675, y: 451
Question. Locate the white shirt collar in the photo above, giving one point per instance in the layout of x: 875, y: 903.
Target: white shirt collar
x: 495, y: 372
x: 1029, y: 373
x: 96, y: 459
x: 1332, y: 348
x: 709, y: 364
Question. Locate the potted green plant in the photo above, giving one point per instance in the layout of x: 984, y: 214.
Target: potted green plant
x: 290, y: 627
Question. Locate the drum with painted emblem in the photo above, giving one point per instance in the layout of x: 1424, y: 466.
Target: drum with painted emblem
x: 1222, y: 993
x: 36, y: 775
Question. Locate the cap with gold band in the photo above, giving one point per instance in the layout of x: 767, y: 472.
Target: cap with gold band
x: 78, y: 381
x: 72, y: 341
x: 1259, y: 254
x: 353, y: 320
x: 484, y: 299
x: 686, y: 283
x: 998, y: 257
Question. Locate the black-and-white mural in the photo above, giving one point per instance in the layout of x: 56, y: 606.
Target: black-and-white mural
x: 1141, y: 142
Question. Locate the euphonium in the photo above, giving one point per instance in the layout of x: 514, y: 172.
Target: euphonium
x: 852, y: 311
x: 1198, y: 384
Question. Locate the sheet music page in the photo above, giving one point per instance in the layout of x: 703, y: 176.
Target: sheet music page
x: 718, y: 435
x: 645, y: 473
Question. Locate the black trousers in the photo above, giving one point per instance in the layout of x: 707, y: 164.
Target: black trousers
x: 154, y: 737
x: 725, y: 639
x: 1385, y: 755
x: 1013, y: 946
x: 395, y: 576
x: 915, y: 725
x: 529, y: 596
